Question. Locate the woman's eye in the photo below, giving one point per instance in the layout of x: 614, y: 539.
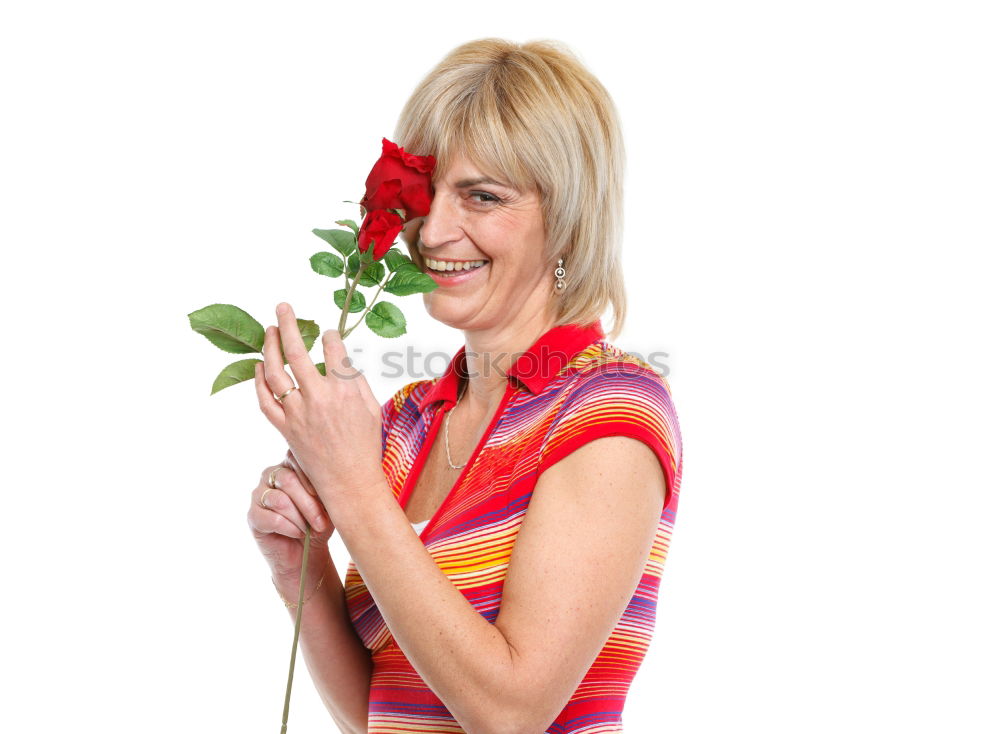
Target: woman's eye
x: 489, y: 197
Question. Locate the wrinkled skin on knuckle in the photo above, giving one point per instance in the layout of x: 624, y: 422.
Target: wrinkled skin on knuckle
x: 280, y: 503
x: 272, y: 377
x: 257, y: 522
x: 289, y: 479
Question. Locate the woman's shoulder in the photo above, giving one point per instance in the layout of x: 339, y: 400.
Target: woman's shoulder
x: 609, y: 392
x: 604, y: 366
x: 609, y: 387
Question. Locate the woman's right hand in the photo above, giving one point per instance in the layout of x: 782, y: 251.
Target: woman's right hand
x: 280, y: 527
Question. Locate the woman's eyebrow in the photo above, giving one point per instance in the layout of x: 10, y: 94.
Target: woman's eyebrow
x: 467, y: 182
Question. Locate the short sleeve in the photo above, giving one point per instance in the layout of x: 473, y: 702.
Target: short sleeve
x: 619, y: 400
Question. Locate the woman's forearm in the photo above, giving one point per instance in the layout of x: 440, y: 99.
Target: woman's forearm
x: 461, y: 656
x: 340, y: 665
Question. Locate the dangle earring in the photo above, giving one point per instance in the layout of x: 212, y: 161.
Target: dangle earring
x: 560, y: 274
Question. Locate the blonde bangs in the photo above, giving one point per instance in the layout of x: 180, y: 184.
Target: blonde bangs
x: 449, y: 124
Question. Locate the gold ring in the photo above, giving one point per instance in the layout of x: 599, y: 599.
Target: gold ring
x: 283, y: 395
x: 262, y: 496
x: 270, y: 477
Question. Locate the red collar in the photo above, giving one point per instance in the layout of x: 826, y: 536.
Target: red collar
x: 534, y: 368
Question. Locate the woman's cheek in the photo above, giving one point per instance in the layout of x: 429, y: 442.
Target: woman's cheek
x: 410, y: 231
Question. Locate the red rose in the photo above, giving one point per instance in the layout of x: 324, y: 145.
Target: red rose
x: 381, y: 227
x: 400, y: 180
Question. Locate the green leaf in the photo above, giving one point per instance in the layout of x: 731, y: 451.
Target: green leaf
x: 348, y: 223
x: 357, y: 300
x: 353, y: 263
x: 309, y: 330
x: 394, y: 258
x: 341, y: 240
x: 321, y: 366
x: 373, y: 275
x: 401, y: 213
x: 408, y: 281
x: 239, y: 371
x: 229, y: 328
x: 327, y: 263
x: 386, y: 320
x: 410, y: 267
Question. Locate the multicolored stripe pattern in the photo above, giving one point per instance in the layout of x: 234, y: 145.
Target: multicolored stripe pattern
x: 553, y: 404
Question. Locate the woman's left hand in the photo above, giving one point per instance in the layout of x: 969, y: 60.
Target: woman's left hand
x: 332, y: 423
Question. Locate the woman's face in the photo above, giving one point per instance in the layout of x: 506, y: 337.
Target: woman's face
x: 473, y: 218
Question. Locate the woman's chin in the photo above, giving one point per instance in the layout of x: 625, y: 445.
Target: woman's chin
x: 450, y: 310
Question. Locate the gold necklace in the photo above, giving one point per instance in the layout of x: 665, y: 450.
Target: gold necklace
x: 447, y: 420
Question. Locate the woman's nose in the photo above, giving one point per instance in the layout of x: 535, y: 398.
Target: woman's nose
x: 442, y: 223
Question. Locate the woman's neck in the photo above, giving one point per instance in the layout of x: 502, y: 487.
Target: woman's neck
x: 489, y: 355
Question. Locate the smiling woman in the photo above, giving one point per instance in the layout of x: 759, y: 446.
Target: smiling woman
x: 542, y: 470
x: 524, y: 127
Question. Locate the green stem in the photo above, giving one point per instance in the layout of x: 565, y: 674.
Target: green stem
x: 349, y: 298
x: 362, y: 317
x: 298, y: 624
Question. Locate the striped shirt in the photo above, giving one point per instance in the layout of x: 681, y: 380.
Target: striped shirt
x: 570, y: 387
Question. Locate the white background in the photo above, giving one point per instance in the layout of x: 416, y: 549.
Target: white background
x: 811, y: 235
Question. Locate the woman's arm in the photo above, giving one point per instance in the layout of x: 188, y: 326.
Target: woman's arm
x: 340, y: 665
x: 578, y: 558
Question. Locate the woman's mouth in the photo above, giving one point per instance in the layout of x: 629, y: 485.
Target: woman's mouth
x: 459, y: 272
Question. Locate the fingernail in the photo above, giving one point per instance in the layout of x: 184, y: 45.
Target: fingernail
x: 319, y: 523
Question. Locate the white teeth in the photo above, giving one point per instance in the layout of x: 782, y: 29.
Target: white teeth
x: 445, y: 266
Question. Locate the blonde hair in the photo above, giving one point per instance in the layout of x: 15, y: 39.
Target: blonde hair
x: 531, y: 114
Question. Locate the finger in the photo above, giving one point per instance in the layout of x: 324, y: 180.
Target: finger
x: 306, y: 374
x: 265, y: 521
x: 294, y: 464
x: 268, y: 405
x: 278, y: 380
x: 338, y: 364
x: 335, y: 353
x: 308, y: 505
x: 277, y: 501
